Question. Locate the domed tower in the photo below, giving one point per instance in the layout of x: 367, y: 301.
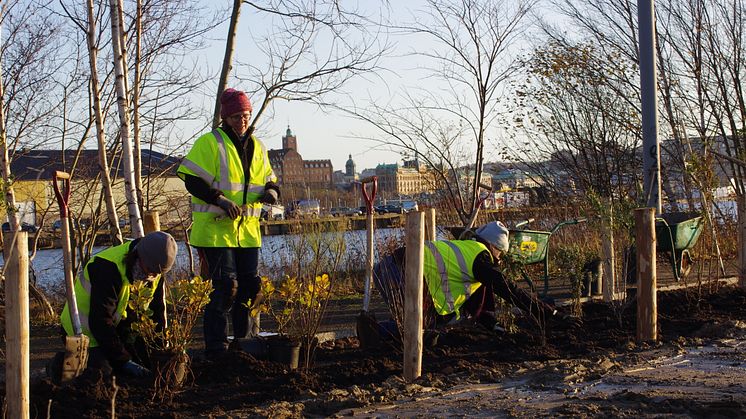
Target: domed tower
x: 350, y: 167
x: 289, y: 140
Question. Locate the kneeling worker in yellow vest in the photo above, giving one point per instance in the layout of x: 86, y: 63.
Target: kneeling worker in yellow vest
x: 462, y: 278
x: 102, y: 293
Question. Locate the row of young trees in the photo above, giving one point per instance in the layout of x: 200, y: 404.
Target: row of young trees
x: 493, y: 70
x: 580, y: 101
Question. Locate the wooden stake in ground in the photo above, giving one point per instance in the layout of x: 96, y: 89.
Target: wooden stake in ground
x: 742, y: 240
x: 413, y: 287
x: 647, y: 306
x: 151, y: 221
x: 15, y: 251
x: 431, y: 231
x: 608, y: 282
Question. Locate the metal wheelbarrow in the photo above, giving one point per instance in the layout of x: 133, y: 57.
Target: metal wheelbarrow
x: 675, y: 234
x: 529, y: 247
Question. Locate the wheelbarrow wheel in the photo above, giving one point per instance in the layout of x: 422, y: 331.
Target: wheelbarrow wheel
x: 685, y: 264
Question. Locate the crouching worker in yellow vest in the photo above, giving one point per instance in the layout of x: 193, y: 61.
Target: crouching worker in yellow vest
x: 462, y: 278
x: 102, y: 291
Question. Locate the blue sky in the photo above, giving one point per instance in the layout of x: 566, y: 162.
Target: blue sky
x: 321, y: 133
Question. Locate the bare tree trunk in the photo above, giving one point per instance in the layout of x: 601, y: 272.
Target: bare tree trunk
x: 136, y: 107
x: 227, y: 60
x: 130, y: 193
x: 10, y: 198
x: 116, y: 235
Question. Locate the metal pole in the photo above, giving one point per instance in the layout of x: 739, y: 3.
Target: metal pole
x: 648, y: 93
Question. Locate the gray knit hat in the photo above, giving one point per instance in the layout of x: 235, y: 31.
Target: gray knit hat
x: 157, y: 251
x: 496, y: 234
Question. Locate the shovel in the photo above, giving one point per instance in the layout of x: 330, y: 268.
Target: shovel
x: 367, y: 336
x: 76, y: 347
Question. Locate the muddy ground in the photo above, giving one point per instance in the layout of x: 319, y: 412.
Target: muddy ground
x: 590, y: 370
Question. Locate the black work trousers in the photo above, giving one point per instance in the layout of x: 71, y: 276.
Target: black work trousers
x: 233, y: 272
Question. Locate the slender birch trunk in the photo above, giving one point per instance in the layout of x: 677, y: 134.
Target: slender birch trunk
x: 227, y: 59
x: 136, y: 107
x: 10, y: 198
x: 116, y: 235
x: 130, y: 193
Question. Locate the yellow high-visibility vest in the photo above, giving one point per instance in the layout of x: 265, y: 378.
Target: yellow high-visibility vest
x: 115, y: 255
x: 215, y: 160
x: 448, y: 272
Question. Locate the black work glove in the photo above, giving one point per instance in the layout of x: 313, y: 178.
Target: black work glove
x: 269, y: 197
x: 133, y: 369
x: 229, y: 207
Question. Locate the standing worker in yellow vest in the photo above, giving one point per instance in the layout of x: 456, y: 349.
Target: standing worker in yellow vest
x: 229, y: 176
x: 462, y: 277
x: 102, y: 291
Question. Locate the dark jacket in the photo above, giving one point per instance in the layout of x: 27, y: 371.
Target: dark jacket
x: 106, y: 283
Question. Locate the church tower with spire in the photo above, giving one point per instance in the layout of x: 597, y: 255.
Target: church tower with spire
x: 289, y: 141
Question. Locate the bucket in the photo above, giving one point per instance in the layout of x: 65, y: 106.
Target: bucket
x: 284, y: 351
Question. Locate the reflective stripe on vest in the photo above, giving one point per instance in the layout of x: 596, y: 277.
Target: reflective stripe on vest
x: 448, y: 272
x: 116, y: 255
x: 215, y: 152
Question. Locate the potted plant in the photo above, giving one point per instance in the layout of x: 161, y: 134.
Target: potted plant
x: 185, y: 300
x: 279, y: 303
x: 296, y: 305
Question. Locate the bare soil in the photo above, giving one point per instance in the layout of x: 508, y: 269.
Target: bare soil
x: 554, y: 371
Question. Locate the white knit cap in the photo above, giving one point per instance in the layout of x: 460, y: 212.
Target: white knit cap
x: 496, y: 234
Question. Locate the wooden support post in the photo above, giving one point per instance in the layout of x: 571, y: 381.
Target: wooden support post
x: 413, y: 288
x: 647, y: 308
x: 742, y: 240
x: 151, y: 221
x: 431, y: 232
x: 15, y: 252
x: 608, y: 285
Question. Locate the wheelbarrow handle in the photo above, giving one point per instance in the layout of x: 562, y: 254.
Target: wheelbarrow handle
x: 524, y: 223
x: 369, y: 198
x: 63, y: 196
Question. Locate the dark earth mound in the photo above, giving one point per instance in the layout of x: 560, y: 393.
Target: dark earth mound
x: 346, y: 376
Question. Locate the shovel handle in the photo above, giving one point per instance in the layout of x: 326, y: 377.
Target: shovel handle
x: 369, y: 198
x: 63, y: 196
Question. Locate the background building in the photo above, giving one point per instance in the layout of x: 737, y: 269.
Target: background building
x: 291, y: 169
x: 408, y: 179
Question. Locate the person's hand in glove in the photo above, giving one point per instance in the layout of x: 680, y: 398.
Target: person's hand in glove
x: 229, y: 207
x: 133, y: 369
x: 269, y: 197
